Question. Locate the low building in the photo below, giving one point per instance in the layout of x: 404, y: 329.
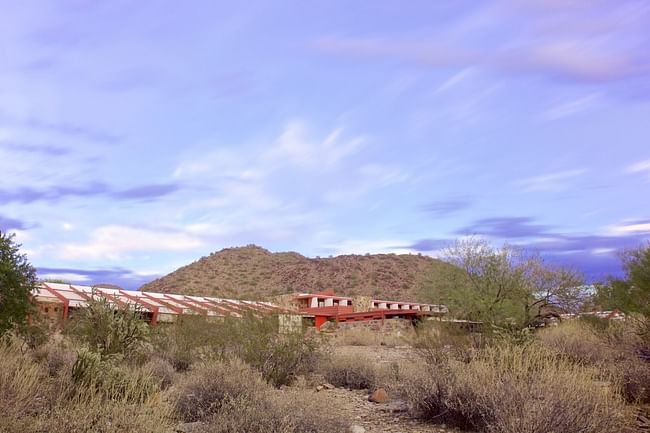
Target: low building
x: 328, y: 307
x: 59, y: 301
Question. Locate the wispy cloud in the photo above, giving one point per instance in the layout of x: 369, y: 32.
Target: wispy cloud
x: 124, y: 278
x: 571, y: 108
x: 640, y: 167
x: 551, y: 182
x: 44, y: 149
x: 114, y: 242
x: 581, y: 43
x: 95, y: 189
x: 444, y: 208
x: 506, y: 227
x: 454, y: 80
x: 7, y: 224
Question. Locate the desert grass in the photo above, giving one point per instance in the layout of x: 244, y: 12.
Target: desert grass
x: 516, y: 389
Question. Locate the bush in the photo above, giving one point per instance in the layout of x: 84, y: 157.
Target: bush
x: 437, y: 342
x: 350, y: 372
x: 114, y: 382
x: 24, y: 389
x: 634, y: 377
x: 579, y: 343
x: 206, y: 389
x: 107, y: 330
x: 254, y: 340
x: 515, y: 389
x: 275, y: 413
x: 162, y: 372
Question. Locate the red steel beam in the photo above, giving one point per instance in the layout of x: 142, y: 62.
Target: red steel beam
x: 215, y: 306
x: 112, y: 298
x: 164, y: 303
x: 153, y: 308
x: 80, y: 293
x: 66, y: 301
x: 189, y: 305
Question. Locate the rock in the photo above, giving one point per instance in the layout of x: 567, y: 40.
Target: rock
x: 356, y: 428
x: 320, y: 388
x: 395, y: 407
x: 328, y: 386
x: 188, y: 427
x: 379, y: 396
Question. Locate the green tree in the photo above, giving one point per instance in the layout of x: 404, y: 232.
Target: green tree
x: 109, y: 329
x: 630, y: 294
x: 17, y: 279
x: 502, y: 286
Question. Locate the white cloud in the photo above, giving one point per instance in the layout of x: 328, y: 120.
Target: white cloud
x: 384, y: 246
x: 630, y: 228
x: 551, y: 182
x: 570, y: 108
x: 65, y: 276
x: 295, y: 145
x: 640, y: 167
x: 113, y: 242
x: 454, y: 80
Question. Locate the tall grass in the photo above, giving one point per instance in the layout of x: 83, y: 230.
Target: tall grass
x: 516, y: 389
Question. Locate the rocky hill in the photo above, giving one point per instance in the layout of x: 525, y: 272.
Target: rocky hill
x: 252, y: 272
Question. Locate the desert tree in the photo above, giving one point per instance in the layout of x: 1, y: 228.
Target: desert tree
x: 17, y: 280
x: 504, y: 285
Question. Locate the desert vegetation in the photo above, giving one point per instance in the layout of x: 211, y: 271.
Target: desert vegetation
x: 259, y: 274
x: 526, y: 371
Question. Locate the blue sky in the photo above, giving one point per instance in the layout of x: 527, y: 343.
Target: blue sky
x: 136, y: 137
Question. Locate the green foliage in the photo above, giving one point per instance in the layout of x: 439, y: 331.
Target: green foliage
x: 114, y: 382
x: 87, y: 366
x: 255, y: 340
x: 507, y: 287
x: 17, y: 279
x: 109, y: 330
x: 632, y: 293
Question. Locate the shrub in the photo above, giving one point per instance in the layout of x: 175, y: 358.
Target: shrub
x: 255, y: 340
x: 276, y: 412
x: 516, y: 389
x: 634, y: 377
x: 162, y: 372
x: 350, y: 372
x: 24, y: 389
x: 436, y: 342
x: 579, y: 343
x: 207, y: 388
x: 107, y: 330
x: 114, y: 382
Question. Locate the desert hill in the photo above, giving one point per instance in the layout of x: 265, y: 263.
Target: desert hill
x: 252, y: 272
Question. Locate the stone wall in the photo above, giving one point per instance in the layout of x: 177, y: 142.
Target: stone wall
x: 387, y: 328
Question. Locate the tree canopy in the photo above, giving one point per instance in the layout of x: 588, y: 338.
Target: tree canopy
x: 17, y: 279
x: 630, y: 294
x: 502, y: 286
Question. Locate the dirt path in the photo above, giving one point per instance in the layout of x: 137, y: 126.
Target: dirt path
x: 376, y: 418
x: 391, y: 417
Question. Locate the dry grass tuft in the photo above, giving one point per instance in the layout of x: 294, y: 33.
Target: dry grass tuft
x: 516, y: 389
x: 349, y: 371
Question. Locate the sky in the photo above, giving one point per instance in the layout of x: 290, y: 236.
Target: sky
x: 136, y: 137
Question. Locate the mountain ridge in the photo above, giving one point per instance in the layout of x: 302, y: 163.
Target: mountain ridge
x: 252, y: 272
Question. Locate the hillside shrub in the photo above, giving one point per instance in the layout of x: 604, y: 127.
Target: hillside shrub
x: 437, y: 342
x: 24, y: 389
x: 516, y: 389
x: 205, y: 389
x: 255, y: 340
x: 579, y: 343
x: 347, y: 371
x: 292, y: 412
x: 114, y: 382
x: 107, y: 330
